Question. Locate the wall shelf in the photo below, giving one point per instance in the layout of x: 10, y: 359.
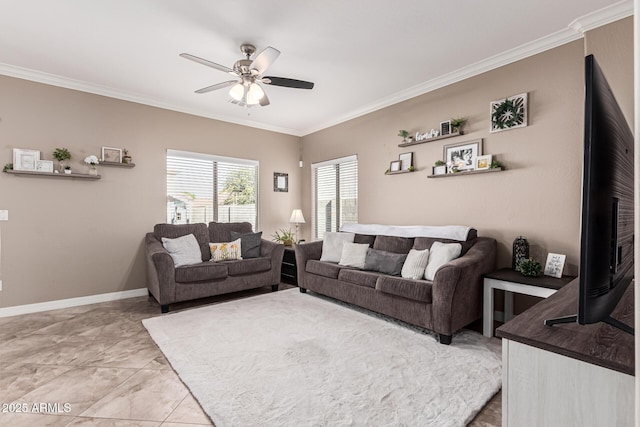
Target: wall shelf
x: 424, y: 141
x: 397, y: 172
x: 54, y: 175
x: 473, y: 172
x: 117, y: 164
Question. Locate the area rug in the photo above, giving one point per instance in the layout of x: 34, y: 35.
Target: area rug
x: 292, y: 359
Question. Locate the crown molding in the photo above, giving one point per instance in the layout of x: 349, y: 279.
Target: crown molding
x: 602, y: 17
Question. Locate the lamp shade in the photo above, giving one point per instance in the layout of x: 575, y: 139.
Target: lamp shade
x: 255, y: 94
x: 296, y: 217
x: 237, y: 92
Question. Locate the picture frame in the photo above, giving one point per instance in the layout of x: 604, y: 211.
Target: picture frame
x: 508, y: 113
x: 281, y: 182
x: 44, y: 166
x: 24, y: 159
x: 483, y: 162
x: 445, y: 128
x: 110, y: 154
x: 462, y: 155
x: 554, y: 265
x: 395, y: 166
x: 406, y: 161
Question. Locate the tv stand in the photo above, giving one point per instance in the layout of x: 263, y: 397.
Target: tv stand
x: 608, y: 320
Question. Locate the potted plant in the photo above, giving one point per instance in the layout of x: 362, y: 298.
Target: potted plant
x: 92, y: 161
x: 62, y: 154
x: 404, y: 134
x: 67, y: 170
x: 7, y: 167
x: 284, y: 236
x: 496, y: 165
x: 126, y: 158
x: 456, y: 124
x: 440, y: 168
x: 530, y: 267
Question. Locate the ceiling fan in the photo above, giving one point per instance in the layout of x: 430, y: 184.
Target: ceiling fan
x: 246, y: 90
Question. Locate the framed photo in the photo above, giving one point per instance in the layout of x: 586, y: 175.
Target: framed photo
x: 508, y: 113
x: 44, y: 166
x: 395, y: 166
x: 111, y: 155
x: 406, y: 161
x: 25, y: 160
x: 445, y: 128
x: 281, y: 182
x: 463, y: 155
x: 483, y: 162
x: 554, y: 265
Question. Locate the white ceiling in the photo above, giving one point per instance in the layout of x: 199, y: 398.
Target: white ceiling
x: 362, y: 55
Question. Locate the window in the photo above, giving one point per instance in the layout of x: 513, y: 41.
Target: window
x: 205, y: 188
x: 335, y: 194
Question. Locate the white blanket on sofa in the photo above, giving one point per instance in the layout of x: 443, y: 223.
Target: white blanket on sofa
x: 453, y: 232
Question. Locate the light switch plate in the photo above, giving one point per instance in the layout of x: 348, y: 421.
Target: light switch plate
x: 4, y: 215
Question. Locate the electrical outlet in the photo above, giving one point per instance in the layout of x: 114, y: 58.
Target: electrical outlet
x: 4, y: 215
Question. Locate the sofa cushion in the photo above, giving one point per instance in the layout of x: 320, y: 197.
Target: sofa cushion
x: 248, y: 266
x: 415, y: 264
x: 203, y: 272
x: 221, y: 231
x: 354, y: 254
x: 332, y: 245
x: 364, y: 238
x: 199, y: 230
x: 384, y: 262
x: 321, y: 268
x: 426, y: 242
x: 439, y: 255
x: 418, y: 290
x: 357, y: 277
x: 184, y: 250
x: 249, y: 243
x: 225, y: 251
x: 398, y: 245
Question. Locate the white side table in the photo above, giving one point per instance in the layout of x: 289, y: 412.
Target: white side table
x: 512, y: 281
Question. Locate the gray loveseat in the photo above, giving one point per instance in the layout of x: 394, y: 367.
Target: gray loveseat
x: 169, y: 284
x: 451, y: 301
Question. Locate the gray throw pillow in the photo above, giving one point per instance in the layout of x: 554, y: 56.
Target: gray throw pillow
x: 384, y: 262
x: 249, y: 243
x: 184, y: 250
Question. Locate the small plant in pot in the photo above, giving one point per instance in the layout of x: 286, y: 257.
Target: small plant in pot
x: 530, y: 267
x: 440, y: 168
x: 67, y: 170
x: 62, y: 154
x: 404, y: 134
x: 456, y: 124
x: 284, y: 236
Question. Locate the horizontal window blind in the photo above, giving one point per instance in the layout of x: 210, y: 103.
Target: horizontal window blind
x: 335, y: 195
x: 205, y: 188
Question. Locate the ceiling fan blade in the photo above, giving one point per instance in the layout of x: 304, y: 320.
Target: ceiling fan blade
x: 264, y: 101
x: 281, y: 81
x: 217, y: 86
x: 208, y: 63
x: 265, y: 59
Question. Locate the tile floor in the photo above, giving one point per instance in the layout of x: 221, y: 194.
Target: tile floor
x: 96, y: 365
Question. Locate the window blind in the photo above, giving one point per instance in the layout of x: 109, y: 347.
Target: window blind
x: 335, y: 195
x: 205, y: 188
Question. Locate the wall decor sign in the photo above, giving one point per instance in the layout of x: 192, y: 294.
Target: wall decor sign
x: 44, y: 166
x: 427, y: 135
x: 406, y: 161
x: 281, y: 182
x: 509, y: 113
x: 483, y: 162
x: 111, y: 155
x: 462, y: 156
x: 554, y: 265
x: 445, y: 127
x: 25, y: 160
x: 395, y: 166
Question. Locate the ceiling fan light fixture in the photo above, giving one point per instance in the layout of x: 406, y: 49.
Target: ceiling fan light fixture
x: 255, y: 94
x: 237, y: 92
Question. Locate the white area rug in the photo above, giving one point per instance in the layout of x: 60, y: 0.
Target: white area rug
x: 292, y: 359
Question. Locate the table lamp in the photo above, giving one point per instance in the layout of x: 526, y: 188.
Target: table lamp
x: 297, y: 218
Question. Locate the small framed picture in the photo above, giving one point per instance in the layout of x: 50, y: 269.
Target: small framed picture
x: 445, y: 128
x: 111, y: 155
x: 25, y: 160
x: 554, y: 265
x: 483, y: 162
x: 462, y: 156
x: 395, y: 166
x: 44, y: 166
x: 281, y: 182
x: 406, y: 161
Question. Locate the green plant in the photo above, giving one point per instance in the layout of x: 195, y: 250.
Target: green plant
x: 457, y: 123
x: 7, y: 167
x: 403, y: 133
x: 411, y: 168
x: 284, y: 236
x: 61, y: 154
x: 530, y: 267
x: 495, y: 165
x: 440, y: 163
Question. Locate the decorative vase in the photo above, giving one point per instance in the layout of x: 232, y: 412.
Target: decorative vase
x: 67, y: 171
x: 93, y: 170
x: 520, y: 252
x: 61, y: 166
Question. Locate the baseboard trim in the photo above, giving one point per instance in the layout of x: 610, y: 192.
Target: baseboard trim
x: 71, y: 302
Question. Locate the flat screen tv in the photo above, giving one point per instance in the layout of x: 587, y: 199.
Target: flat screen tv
x: 607, y: 235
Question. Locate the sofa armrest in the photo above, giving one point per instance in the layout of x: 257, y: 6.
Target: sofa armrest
x: 457, y: 287
x: 305, y: 252
x: 160, y: 271
x: 274, y: 251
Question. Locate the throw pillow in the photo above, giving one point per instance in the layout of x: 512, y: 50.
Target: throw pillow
x: 415, y: 264
x: 439, y: 255
x: 332, y: 245
x: 249, y: 243
x: 225, y: 251
x: 384, y: 262
x: 354, y: 254
x: 184, y: 250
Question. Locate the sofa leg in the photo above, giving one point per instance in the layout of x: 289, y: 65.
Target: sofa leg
x: 274, y: 288
x: 444, y: 339
x: 164, y: 308
x: 303, y: 290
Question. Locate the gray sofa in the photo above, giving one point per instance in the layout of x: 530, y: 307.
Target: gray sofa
x: 169, y: 284
x: 451, y: 301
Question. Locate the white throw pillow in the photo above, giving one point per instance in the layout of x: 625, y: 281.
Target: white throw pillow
x: 184, y: 250
x: 415, y: 264
x: 439, y: 255
x: 332, y: 245
x: 354, y: 254
x: 226, y: 251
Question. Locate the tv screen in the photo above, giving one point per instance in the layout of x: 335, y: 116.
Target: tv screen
x: 607, y: 235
